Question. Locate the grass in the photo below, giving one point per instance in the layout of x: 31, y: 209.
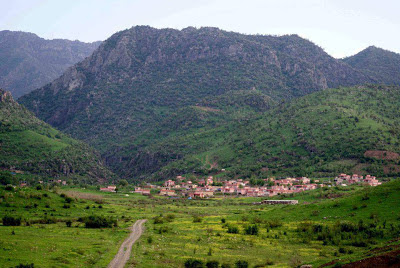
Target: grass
x: 191, y: 228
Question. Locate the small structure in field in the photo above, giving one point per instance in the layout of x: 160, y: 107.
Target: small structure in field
x: 110, y: 189
x: 280, y: 202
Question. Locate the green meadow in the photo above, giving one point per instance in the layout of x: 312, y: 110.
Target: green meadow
x: 339, y: 224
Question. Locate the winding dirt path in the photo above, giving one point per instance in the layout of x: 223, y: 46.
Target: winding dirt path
x: 124, y: 251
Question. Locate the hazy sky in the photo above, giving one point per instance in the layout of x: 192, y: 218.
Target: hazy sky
x: 341, y: 27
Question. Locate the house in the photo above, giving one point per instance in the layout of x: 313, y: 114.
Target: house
x: 169, y: 183
x: 110, y: 189
x: 166, y: 192
x: 371, y: 180
x: 23, y: 184
x: 145, y: 191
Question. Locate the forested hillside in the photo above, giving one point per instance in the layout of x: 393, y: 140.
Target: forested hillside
x: 30, y: 145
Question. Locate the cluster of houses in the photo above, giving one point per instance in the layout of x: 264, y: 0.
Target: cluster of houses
x: 344, y: 179
x: 205, y: 188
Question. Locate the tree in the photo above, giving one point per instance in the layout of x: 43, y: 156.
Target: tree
x: 241, y: 264
x: 123, y: 183
x: 192, y: 263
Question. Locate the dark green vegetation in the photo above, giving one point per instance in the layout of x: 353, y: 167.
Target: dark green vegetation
x: 381, y: 64
x: 28, y: 62
x: 28, y: 144
x: 330, y: 225
x: 144, y: 85
x: 321, y: 134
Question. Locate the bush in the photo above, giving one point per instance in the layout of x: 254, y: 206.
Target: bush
x: 192, y: 263
x: 197, y: 219
x: 68, y: 199
x: 212, y: 264
x: 274, y: 223
x: 226, y: 265
x: 9, y: 188
x: 39, y: 187
x: 223, y: 220
x: 68, y: 223
x: 241, y: 264
x: 11, y: 221
x: 233, y: 229
x: 251, y: 230
x: 25, y: 265
x: 158, y: 220
x: 99, y: 222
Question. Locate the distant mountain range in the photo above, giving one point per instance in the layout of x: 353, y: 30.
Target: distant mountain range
x: 28, y: 62
x: 28, y: 144
x: 144, y: 95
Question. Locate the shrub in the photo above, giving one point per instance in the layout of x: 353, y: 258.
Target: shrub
x: 251, y: 230
x: 241, y: 264
x: 9, y: 188
x: 158, y: 220
x: 197, y: 219
x: 68, y: 223
x: 365, y: 197
x: 169, y: 217
x: 212, y: 264
x: 99, y: 222
x: 223, y: 220
x: 25, y: 265
x: 274, y: 223
x: 68, y: 199
x: 233, y: 229
x: 192, y: 263
x: 226, y: 265
x: 39, y: 187
x: 11, y: 221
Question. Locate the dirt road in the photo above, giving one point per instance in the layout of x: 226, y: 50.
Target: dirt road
x: 124, y: 251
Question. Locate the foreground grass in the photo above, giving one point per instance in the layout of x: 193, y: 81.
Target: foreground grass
x: 181, y: 229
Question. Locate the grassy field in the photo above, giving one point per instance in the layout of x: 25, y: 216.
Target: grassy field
x: 325, y: 226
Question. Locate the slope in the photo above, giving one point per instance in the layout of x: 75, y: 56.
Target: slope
x: 28, y: 144
x: 28, y: 62
x: 379, y: 63
x: 337, y: 130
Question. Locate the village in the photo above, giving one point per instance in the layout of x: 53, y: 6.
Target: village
x: 210, y: 187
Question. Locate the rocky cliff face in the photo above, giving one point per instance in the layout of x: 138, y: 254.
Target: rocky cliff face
x: 140, y: 77
x: 28, y: 62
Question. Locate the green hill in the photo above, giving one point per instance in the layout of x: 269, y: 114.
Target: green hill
x: 322, y: 134
x: 28, y: 144
x: 378, y: 63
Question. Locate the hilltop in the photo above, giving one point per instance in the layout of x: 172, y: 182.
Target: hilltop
x: 144, y: 85
x: 28, y: 62
x: 28, y: 144
x: 379, y: 63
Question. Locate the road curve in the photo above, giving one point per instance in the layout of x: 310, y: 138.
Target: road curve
x: 124, y: 251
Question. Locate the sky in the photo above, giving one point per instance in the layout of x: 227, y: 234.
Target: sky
x: 341, y: 27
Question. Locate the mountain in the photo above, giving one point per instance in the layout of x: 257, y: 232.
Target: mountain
x: 144, y: 85
x: 322, y: 134
x: 28, y: 62
x: 29, y: 144
x: 381, y: 64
